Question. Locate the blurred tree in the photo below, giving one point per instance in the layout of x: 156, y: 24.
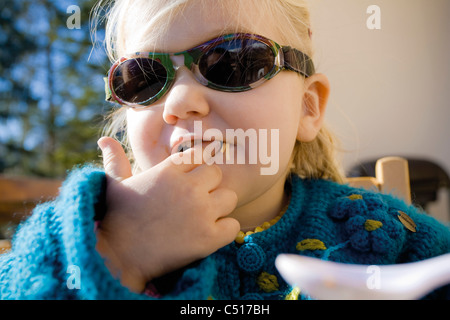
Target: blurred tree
x: 51, y: 87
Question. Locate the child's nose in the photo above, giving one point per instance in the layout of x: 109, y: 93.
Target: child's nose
x: 185, y: 99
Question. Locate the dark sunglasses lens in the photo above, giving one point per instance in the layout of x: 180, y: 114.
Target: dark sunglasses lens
x: 138, y: 80
x: 237, y: 63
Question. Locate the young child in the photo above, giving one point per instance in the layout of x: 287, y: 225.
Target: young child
x: 177, y: 216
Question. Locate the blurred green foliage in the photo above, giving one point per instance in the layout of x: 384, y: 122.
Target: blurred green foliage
x: 51, y: 87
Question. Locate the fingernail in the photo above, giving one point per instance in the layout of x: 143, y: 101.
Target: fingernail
x: 102, y: 144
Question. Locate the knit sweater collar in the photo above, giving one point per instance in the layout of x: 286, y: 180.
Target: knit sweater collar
x: 278, y: 231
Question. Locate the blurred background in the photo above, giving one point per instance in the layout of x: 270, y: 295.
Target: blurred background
x: 51, y: 87
x: 51, y: 100
x: 390, y: 91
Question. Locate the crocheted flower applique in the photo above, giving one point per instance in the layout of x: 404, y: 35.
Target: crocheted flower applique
x: 356, y: 204
x: 366, y: 235
x: 368, y: 224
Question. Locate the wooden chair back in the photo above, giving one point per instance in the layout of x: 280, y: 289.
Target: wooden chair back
x: 391, y: 176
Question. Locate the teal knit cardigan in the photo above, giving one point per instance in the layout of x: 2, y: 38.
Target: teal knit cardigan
x: 53, y: 254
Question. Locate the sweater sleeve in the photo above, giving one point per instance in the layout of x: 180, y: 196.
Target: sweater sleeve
x: 426, y: 238
x: 53, y: 253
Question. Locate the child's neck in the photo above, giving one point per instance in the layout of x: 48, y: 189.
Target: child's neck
x: 264, y: 208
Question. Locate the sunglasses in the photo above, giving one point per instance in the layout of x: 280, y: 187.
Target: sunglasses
x: 230, y: 63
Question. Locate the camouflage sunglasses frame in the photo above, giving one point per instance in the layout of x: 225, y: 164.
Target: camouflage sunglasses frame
x: 285, y: 58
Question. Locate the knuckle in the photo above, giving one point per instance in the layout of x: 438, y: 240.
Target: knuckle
x: 107, y: 158
x: 109, y: 162
x: 231, y: 197
x: 216, y: 172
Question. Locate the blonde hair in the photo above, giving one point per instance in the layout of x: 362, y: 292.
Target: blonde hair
x: 316, y: 159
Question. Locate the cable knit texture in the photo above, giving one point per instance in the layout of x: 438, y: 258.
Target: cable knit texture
x: 324, y: 220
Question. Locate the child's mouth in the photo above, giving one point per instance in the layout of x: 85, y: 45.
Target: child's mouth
x: 186, y: 145
x: 223, y: 146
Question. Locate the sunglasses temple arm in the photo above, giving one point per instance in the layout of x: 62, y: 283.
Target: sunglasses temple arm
x: 297, y: 61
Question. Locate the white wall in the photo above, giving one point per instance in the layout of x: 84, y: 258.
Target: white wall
x: 390, y: 87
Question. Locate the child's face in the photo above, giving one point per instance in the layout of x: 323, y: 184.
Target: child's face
x: 274, y: 106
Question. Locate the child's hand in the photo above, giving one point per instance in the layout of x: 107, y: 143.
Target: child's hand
x: 162, y: 219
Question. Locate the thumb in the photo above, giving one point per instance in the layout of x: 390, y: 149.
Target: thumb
x: 115, y: 161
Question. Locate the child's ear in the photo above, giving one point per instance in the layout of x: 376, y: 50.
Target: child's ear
x: 314, y: 104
